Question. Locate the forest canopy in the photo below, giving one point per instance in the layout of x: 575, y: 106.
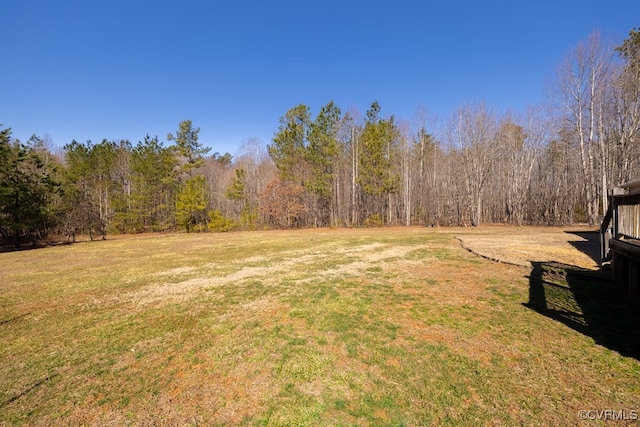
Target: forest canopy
x: 335, y: 168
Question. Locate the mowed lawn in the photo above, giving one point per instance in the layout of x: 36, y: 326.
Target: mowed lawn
x: 389, y: 326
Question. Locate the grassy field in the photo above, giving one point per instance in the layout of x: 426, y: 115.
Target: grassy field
x: 399, y: 326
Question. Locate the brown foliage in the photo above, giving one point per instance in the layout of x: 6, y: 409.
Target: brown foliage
x: 282, y: 204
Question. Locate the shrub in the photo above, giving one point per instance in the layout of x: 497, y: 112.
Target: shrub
x: 373, y: 221
x: 220, y: 223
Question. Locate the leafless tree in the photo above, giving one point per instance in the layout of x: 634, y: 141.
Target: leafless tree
x: 581, y: 84
x: 472, y: 133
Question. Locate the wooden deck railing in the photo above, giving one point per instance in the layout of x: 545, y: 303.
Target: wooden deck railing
x: 620, y: 239
x: 605, y: 233
x: 622, y: 220
x: 628, y: 216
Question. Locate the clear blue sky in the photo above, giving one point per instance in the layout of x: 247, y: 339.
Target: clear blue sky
x: 89, y: 70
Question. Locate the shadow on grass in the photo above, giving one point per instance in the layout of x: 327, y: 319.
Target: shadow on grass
x: 590, y: 245
x: 31, y: 246
x: 588, y: 302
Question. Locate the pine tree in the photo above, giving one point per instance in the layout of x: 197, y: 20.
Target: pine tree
x: 191, y: 205
x: 189, y: 151
x: 26, y: 185
x: 154, y: 184
x: 288, y: 148
x: 376, y: 176
x: 321, y: 156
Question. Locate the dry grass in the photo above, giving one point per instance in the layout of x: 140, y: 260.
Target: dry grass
x: 313, y: 327
x: 577, y: 246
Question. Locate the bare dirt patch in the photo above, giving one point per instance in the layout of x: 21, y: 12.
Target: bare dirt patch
x: 360, y: 258
x: 577, y: 246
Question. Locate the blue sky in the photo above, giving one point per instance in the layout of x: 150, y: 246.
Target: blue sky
x: 89, y: 70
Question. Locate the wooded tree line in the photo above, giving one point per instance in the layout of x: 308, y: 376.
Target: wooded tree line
x: 549, y: 166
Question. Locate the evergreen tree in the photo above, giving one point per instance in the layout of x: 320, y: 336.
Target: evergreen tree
x: 26, y: 185
x: 154, y: 184
x: 92, y: 184
x: 79, y: 214
x: 191, y: 205
x: 288, y: 148
x: 238, y: 191
x: 188, y: 149
x: 237, y: 187
x: 376, y: 176
x: 322, y: 152
x: 629, y: 50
